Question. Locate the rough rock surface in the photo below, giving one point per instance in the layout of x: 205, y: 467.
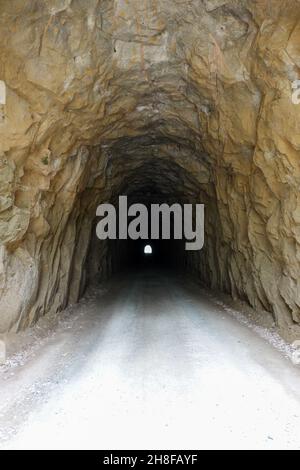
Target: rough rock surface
x: 192, y: 97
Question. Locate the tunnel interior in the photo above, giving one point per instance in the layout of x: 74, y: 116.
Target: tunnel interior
x: 164, y: 102
x: 152, y: 181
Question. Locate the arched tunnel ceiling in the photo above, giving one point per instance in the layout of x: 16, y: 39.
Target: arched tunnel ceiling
x: 174, y: 99
x: 166, y: 166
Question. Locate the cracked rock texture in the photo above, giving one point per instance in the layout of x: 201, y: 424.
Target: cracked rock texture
x: 187, y: 100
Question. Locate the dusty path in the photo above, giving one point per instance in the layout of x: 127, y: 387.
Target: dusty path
x: 151, y: 364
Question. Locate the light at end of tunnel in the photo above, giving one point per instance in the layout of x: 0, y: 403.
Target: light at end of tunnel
x: 148, y: 250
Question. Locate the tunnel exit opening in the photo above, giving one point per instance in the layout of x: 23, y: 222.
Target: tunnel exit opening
x: 148, y: 250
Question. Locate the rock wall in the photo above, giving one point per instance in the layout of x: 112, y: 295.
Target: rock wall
x: 190, y: 98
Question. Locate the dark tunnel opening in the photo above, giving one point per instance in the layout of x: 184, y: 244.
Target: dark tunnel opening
x: 149, y: 181
x: 167, y: 254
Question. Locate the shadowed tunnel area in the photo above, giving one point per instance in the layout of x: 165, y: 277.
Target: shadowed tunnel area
x: 156, y: 182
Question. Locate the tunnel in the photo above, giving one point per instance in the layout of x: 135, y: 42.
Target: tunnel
x: 148, y: 181
x: 164, y: 102
x: 168, y: 103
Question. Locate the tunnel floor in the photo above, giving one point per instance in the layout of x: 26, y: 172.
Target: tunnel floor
x: 149, y: 362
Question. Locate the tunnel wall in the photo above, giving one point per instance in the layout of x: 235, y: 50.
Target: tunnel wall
x: 96, y: 89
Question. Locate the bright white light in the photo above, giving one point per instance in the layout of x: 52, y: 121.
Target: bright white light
x: 148, y: 250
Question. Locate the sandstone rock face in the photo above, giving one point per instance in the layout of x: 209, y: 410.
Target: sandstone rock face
x: 191, y: 99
